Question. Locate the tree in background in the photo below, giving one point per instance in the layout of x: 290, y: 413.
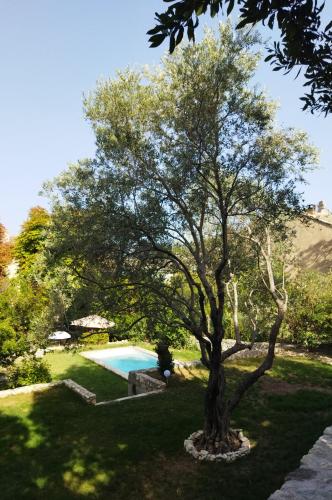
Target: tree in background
x: 5, y: 251
x: 12, y: 344
x: 29, y: 242
x: 309, y: 320
x: 24, y: 299
x: 189, y: 164
x: 304, y: 42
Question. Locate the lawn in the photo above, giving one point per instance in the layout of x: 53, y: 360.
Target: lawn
x: 104, y: 383
x: 54, y: 446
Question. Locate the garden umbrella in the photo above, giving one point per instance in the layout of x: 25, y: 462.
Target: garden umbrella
x: 93, y: 321
x: 59, y: 336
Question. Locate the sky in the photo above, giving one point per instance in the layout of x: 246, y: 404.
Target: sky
x: 53, y: 51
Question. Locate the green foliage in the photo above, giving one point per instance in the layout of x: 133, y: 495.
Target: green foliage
x: 174, y: 336
x: 12, y: 344
x: 303, y: 43
x: 150, y: 205
x: 31, y: 239
x: 5, y: 251
x: 188, y: 155
x: 96, y: 338
x: 29, y: 371
x: 309, y: 318
x: 23, y: 304
x: 165, y: 358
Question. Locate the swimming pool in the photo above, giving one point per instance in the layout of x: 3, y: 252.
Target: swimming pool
x: 122, y: 360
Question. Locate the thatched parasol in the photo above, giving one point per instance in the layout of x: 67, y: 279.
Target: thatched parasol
x: 93, y: 321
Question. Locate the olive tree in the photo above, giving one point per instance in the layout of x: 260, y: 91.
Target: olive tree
x: 191, y: 174
x: 304, y: 44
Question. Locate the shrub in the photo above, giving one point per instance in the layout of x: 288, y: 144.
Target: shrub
x: 165, y: 358
x: 29, y: 371
x: 12, y: 344
x: 309, y: 317
x: 174, y: 336
x: 95, y: 338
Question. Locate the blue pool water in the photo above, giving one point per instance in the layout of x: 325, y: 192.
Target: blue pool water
x: 130, y: 361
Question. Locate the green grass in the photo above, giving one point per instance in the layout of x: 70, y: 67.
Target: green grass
x: 104, y: 383
x: 53, y: 446
x: 296, y: 370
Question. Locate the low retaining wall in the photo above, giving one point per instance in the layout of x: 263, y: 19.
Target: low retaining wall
x: 88, y: 396
x: 128, y: 398
x: 140, y: 382
x: 313, y: 479
x: 28, y: 389
x: 146, y: 386
x: 258, y: 349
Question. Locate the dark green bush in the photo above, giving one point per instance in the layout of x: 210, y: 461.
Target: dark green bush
x: 165, y: 358
x: 96, y: 338
x: 309, y: 316
x: 29, y: 371
x: 12, y: 344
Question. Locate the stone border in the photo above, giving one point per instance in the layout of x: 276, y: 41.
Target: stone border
x: 187, y: 364
x: 313, y: 479
x: 228, y: 457
x: 26, y: 389
x: 89, y: 397
x: 139, y: 382
x: 82, y: 392
x: 127, y: 398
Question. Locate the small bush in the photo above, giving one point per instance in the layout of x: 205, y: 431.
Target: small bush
x: 96, y: 338
x: 309, y: 316
x: 12, y: 344
x: 165, y: 358
x: 29, y: 371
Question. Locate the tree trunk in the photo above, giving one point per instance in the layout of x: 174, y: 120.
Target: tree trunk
x: 217, y: 436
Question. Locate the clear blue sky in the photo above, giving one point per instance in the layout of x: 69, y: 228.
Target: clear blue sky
x: 51, y: 51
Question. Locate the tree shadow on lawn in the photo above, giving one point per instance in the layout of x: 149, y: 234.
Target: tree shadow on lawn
x: 55, y: 446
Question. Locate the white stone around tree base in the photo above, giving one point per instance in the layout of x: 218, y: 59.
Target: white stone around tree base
x: 228, y: 457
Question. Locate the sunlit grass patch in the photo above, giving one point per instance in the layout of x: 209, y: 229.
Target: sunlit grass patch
x: 104, y: 383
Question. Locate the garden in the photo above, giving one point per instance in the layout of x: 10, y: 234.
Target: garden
x: 178, y: 235
x: 55, y: 446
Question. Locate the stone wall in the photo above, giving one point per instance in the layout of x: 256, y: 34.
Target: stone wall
x: 28, y: 389
x: 259, y: 349
x: 140, y: 382
x: 88, y: 396
x: 313, y: 479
